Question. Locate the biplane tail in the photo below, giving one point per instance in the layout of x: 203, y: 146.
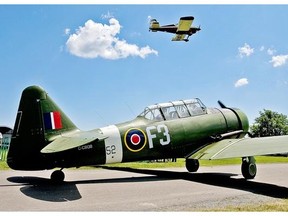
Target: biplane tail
x: 154, y: 25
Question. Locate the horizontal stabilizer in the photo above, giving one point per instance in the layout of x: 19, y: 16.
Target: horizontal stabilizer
x: 245, y: 147
x: 75, y: 140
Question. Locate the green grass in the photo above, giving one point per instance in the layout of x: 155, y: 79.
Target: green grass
x: 277, y: 206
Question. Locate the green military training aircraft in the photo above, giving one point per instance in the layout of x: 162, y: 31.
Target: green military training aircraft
x: 45, y: 138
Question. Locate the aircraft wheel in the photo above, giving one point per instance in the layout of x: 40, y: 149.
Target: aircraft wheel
x: 58, y: 176
x: 249, y: 168
x: 192, y: 165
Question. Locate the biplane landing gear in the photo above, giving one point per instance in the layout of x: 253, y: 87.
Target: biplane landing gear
x: 192, y: 165
x: 249, y: 168
x: 57, y: 176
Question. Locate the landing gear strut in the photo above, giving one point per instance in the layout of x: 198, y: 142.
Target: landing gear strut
x: 57, y: 176
x: 192, y: 165
x: 249, y: 168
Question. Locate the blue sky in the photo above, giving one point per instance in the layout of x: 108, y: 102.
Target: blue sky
x: 239, y: 57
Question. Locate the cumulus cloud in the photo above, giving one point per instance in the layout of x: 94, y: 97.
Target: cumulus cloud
x: 241, y: 82
x: 95, y: 40
x: 279, y: 60
x: 246, y: 50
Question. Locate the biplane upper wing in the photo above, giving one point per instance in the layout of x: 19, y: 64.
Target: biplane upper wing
x: 184, y: 24
x: 245, y: 147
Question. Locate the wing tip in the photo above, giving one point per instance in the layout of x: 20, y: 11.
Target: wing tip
x: 187, y: 18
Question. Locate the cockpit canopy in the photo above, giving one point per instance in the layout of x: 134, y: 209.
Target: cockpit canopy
x: 174, y: 110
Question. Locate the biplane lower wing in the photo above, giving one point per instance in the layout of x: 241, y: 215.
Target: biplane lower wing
x: 179, y: 37
x: 245, y: 147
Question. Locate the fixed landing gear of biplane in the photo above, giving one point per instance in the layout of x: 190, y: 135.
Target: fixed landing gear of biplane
x: 249, y: 168
x: 192, y: 165
x: 57, y: 176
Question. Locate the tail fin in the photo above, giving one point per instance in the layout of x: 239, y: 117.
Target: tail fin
x: 154, y: 25
x: 39, y: 121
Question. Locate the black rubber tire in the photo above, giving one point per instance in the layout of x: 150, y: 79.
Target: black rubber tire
x: 57, y: 176
x: 192, y: 165
x: 249, y: 170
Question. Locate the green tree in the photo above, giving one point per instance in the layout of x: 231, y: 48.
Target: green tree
x: 270, y: 123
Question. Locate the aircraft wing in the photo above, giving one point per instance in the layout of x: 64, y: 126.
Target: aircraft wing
x: 72, y: 141
x: 184, y: 24
x: 178, y: 37
x: 245, y: 147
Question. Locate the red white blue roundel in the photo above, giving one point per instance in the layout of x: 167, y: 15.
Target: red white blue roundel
x: 135, y: 139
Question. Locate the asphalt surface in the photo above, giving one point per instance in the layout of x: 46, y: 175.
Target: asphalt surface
x: 142, y: 189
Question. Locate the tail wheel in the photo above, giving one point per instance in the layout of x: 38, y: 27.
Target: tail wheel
x: 58, y: 176
x: 192, y: 165
x: 249, y: 168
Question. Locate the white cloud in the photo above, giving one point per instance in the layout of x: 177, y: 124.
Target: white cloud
x: 279, y: 60
x: 95, y: 40
x: 246, y: 50
x: 67, y: 31
x: 271, y: 51
x: 241, y: 82
x: 108, y: 15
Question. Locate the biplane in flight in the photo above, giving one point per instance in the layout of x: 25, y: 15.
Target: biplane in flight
x: 183, y: 30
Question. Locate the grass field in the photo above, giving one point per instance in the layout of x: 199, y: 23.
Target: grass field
x: 278, y: 206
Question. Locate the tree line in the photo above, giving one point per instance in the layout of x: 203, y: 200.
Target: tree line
x: 269, y: 123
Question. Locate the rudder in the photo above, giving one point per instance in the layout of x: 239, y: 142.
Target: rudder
x: 39, y: 121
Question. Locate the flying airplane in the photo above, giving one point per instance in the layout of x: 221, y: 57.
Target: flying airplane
x: 45, y: 138
x: 181, y: 30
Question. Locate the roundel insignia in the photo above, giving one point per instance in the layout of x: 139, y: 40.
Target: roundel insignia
x: 135, y: 139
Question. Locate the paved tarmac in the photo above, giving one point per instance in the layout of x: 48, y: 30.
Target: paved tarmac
x: 128, y: 189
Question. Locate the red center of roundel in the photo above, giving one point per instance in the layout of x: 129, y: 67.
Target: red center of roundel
x: 135, y: 139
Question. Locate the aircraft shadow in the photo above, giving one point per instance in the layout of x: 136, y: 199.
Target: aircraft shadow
x: 43, y: 189
x: 216, y: 179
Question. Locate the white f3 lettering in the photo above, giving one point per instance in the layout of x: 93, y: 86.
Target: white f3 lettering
x: 159, y: 129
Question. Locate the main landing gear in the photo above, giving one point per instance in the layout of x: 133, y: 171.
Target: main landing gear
x: 192, y: 165
x: 248, y: 167
x: 57, y: 176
